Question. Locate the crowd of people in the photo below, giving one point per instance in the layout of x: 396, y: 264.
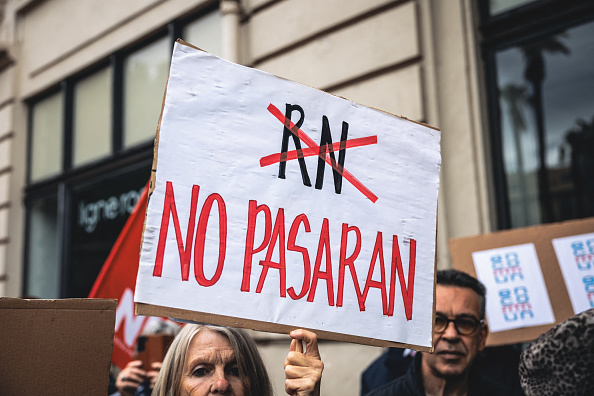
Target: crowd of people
x: 213, y: 360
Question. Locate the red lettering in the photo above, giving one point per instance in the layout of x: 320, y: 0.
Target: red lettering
x: 253, y: 211
x: 378, y: 251
x: 295, y: 248
x: 323, y: 245
x: 350, y: 262
x: 278, y: 233
x: 201, y: 236
x: 169, y: 209
x: 407, y: 292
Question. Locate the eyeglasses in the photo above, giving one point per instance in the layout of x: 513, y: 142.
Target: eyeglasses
x: 465, y: 325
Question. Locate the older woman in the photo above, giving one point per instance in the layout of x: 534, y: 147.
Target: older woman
x: 206, y: 360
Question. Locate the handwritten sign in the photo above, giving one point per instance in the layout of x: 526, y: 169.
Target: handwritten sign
x: 576, y: 259
x: 516, y: 293
x: 281, y: 204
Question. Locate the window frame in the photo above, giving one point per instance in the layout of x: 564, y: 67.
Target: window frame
x: 507, y: 29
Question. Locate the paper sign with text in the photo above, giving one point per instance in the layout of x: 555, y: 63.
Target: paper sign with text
x: 281, y: 204
x: 576, y: 259
x: 516, y: 293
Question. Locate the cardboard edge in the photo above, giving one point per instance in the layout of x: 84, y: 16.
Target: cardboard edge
x: 182, y: 42
x: 202, y: 317
x: 95, y: 304
x: 434, y: 284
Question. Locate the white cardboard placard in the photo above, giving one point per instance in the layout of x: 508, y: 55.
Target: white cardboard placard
x: 516, y: 293
x: 576, y: 259
x: 267, y: 248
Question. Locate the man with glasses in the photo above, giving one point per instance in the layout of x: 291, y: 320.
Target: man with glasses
x: 460, y: 334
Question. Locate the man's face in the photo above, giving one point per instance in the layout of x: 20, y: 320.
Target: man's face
x: 454, y: 352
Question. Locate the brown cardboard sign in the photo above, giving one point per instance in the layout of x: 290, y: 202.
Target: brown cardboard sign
x: 540, y: 239
x: 55, y: 347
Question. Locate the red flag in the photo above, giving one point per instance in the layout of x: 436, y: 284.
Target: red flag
x: 117, y: 279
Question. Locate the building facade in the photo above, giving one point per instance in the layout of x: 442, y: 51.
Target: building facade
x: 508, y: 82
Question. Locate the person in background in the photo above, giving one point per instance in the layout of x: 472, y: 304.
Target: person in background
x: 499, y: 363
x: 393, y: 363
x: 132, y: 380
x: 460, y: 334
x: 209, y: 360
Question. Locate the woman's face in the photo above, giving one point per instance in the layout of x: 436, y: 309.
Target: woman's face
x: 211, y: 367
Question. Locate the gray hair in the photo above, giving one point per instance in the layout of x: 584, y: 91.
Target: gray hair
x: 252, y: 371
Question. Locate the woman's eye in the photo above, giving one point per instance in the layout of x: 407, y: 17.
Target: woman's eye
x: 199, y: 372
x: 233, y: 370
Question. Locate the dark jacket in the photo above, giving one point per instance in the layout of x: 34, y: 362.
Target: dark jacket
x: 411, y: 384
x: 390, y: 365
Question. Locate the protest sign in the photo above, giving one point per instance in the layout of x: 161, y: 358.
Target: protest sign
x: 516, y: 294
x: 576, y: 258
x: 530, y: 274
x: 276, y: 205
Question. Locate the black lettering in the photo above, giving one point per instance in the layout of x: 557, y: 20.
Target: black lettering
x: 285, y: 145
x: 326, y: 146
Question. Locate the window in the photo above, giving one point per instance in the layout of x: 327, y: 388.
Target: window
x: 46, y: 137
x: 499, y: 6
x: 199, y: 33
x: 542, y: 114
x: 43, y: 273
x: 145, y: 75
x: 92, y: 138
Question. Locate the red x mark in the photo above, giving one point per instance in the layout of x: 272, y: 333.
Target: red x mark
x: 322, y: 152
